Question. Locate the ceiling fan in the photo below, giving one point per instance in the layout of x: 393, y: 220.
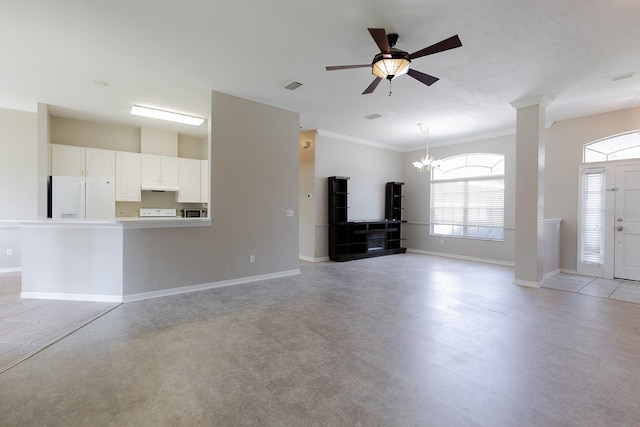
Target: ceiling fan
x: 392, y: 62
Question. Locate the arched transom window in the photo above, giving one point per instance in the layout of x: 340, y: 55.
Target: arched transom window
x: 617, y: 147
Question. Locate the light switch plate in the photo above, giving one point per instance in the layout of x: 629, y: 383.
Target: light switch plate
x: 288, y: 212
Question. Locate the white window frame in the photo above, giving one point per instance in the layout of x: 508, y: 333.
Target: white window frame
x: 612, y: 152
x: 587, y: 266
x: 465, y: 224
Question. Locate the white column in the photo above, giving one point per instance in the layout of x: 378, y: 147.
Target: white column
x: 529, y: 191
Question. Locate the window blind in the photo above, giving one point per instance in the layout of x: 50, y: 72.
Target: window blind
x: 470, y: 202
x: 592, y: 220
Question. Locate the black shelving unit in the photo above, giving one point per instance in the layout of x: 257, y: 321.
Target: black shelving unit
x: 349, y: 240
x: 393, y: 201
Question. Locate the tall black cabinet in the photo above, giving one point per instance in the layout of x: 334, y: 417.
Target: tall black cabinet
x: 393, y: 201
x: 355, y: 239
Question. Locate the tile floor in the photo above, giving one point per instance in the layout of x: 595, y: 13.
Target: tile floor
x: 618, y: 289
x: 28, y: 325
x: 403, y: 340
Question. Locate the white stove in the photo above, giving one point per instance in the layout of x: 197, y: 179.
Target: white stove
x: 154, y: 212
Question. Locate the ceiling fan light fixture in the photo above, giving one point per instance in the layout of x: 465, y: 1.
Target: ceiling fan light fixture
x: 390, y: 65
x: 171, y: 116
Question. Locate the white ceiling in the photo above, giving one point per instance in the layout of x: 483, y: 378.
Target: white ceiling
x: 171, y: 54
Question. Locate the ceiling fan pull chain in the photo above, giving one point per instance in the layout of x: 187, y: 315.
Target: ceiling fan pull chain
x: 389, y: 87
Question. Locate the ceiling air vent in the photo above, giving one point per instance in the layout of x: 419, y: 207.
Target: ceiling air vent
x: 293, y: 86
x: 373, y: 116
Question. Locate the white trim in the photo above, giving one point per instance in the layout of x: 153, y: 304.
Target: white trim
x: 205, y: 286
x: 462, y: 257
x: 71, y: 297
x: 476, y: 138
x: 527, y: 283
x: 542, y: 100
x: 428, y: 224
x: 551, y: 273
x: 9, y: 226
x: 72, y: 223
x: 311, y: 259
x: 134, y: 224
x: 10, y: 269
x: 360, y: 141
x: 568, y: 271
x: 128, y: 223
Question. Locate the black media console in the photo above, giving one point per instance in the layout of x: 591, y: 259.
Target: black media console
x: 349, y: 240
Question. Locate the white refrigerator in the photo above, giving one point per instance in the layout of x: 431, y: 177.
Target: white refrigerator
x: 83, y: 198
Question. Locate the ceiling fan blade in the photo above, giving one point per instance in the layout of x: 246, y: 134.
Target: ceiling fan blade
x: 450, y: 43
x: 380, y: 37
x: 374, y: 84
x: 346, y: 67
x: 422, y: 77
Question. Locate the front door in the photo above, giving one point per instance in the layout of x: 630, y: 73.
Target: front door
x: 627, y: 222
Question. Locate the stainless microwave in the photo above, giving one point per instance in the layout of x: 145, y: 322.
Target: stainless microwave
x: 193, y: 213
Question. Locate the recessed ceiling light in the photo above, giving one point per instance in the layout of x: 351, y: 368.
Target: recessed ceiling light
x: 101, y: 83
x: 154, y: 113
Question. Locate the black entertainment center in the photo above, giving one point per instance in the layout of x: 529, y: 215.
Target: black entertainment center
x: 349, y: 240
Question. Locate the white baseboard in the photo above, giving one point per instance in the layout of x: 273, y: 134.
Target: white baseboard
x: 568, y: 271
x: 10, y: 270
x: 310, y: 259
x: 462, y: 257
x: 551, y: 273
x: 71, y: 297
x: 527, y: 283
x: 205, y: 286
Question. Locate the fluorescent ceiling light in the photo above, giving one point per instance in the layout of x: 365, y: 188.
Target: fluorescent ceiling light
x: 154, y: 113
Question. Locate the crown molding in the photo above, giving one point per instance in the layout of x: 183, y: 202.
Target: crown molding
x: 360, y: 141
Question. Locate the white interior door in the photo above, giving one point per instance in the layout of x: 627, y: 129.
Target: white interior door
x: 627, y: 222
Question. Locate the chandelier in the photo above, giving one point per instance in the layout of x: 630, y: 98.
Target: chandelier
x: 427, y: 161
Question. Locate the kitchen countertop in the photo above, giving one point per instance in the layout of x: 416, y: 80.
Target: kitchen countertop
x: 125, y: 222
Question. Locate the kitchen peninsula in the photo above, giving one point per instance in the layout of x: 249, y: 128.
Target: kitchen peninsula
x: 81, y: 260
x: 78, y: 252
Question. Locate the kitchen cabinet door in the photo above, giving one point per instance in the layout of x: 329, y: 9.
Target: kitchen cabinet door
x: 67, y: 160
x: 159, y: 171
x: 151, y: 170
x: 128, y: 177
x: 100, y: 163
x: 169, y: 171
x: 189, y: 175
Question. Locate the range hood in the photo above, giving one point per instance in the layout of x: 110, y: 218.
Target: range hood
x: 159, y: 187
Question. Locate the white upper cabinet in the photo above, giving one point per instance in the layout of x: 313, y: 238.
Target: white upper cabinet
x: 190, y: 181
x: 128, y: 177
x: 100, y: 163
x: 67, y: 160
x: 159, y: 172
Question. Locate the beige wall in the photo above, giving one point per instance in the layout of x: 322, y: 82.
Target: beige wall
x: 564, y: 143
x: 192, y: 147
x: 111, y: 136
x: 18, y: 180
x: 416, y: 203
x: 18, y: 165
x: 107, y: 136
x: 369, y: 168
x: 254, y: 179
